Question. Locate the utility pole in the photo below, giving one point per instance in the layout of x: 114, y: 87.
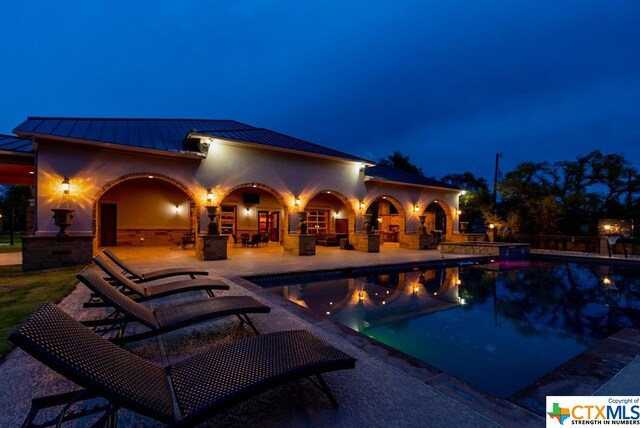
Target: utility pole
x: 495, y: 179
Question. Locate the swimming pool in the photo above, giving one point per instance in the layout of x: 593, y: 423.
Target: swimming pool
x: 497, y: 326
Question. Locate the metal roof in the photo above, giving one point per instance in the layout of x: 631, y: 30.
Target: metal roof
x: 391, y: 174
x: 277, y: 140
x: 167, y: 134
x: 11, y: 143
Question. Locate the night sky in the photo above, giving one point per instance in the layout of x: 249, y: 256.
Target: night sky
x: 448, y: 83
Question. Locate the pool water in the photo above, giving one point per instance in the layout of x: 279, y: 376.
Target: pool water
x: 497, y: 326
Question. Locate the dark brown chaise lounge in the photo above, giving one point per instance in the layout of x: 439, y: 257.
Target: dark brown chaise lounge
x: 138, y: 276
x: 144, y: 292
x: 201, y: 386
x: 167, y: 317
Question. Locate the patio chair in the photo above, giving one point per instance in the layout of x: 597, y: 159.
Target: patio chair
x: 140, y: 293
x: 201, y: 386
x: 138, y: 276
x: 164, y: 318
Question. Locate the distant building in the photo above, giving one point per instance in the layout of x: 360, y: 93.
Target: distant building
x: 143, y: 181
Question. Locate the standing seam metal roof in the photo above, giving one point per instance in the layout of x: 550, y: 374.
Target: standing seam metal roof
x: 167, y: 134
x: 387, y: 173
x: 12, y: 143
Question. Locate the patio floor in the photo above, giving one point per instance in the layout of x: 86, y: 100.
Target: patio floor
x: 385, y: 389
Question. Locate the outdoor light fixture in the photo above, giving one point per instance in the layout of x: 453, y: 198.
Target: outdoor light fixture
x: 416, y: 208
x: 177, y: 209
x: 361, y: 205
x: 606, y: 281
x: 361, y: 295
x: 416, y: 288
x: 459, y: 212
x: 65, y: 185
x: 298, y: 201
x: 209, y: 195
x: 492, y: 226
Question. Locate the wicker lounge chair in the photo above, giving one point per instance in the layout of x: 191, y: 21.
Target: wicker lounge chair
x: 138, y: 276
x: 141, y: 292
x: 201, y: 386
x: 167, y: 317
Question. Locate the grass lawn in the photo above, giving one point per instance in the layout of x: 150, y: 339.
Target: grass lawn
x: 17, y: 242
x: 21, y: 293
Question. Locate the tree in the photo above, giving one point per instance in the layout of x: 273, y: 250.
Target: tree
x: 475, y: 199
x: 400, y: 161
x: 16, y: 197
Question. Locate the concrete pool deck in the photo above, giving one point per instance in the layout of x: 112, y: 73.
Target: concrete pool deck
x: 385, y: 389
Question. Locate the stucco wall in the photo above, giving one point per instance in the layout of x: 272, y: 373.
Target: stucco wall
x: 226, y: 166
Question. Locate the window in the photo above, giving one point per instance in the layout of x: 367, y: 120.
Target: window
x: 317, y: 221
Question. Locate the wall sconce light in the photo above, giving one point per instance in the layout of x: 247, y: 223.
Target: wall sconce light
x: 492, y: 226
x: 459, y: 211
x: 416, y: 208
x: 177, y: 209
x: 297, y: 202
x: 361, y: 204
x: 416, y: 288
x: 248, y: 211
x: 361, y: 295
x: 65, y: 185
x: 209, y: 195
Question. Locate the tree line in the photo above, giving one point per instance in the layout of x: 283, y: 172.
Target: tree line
x: 548, y: 198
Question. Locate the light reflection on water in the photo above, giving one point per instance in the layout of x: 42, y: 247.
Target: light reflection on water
x: 498, y: 326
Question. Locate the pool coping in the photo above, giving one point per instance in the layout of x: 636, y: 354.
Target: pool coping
x: 584, y: 374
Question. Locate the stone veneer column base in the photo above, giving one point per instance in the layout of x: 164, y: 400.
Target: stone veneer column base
x: 419, y: 242
x: 211, y: 247
x: 369, y: 243
x: 300, y: 245
x: 44, y: 252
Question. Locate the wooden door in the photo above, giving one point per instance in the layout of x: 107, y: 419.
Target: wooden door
x: 108, y: 225
x: 274, y: 226
x: 342, y: 225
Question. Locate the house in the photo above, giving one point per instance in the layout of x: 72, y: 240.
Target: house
x: 148, y: 181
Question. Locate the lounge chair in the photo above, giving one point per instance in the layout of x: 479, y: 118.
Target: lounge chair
x: 201, y: 386
x: 141, y: 292
x: 138, y: 276
x: 167, y: 317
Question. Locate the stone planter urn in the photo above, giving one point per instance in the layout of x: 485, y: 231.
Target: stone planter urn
x: 422, y: 219
x: 62, y: 218
x: 212, y: 227
x: 302, y: 222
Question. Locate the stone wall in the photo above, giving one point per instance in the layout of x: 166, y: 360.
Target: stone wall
x: 148, y: 237
x: 44, y: 252
x: 493, y: 249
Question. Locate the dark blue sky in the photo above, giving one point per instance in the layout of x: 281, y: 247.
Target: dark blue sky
x: 448, y: 83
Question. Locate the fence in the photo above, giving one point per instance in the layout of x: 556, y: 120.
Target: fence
x: 584, y: 244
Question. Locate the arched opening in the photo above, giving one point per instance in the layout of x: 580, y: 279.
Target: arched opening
x: 388, y: 217
x: 255, y: 212
x: 329, y: 212
x: 143, y: 209
x: 438, y: 219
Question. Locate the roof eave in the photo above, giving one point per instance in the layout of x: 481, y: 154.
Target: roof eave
x: 280, y: 149
x: 404, y: 183
x: 166, y: 153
